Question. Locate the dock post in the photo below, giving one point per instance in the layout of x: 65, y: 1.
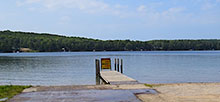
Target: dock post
x: 118, y: 64
x: 97, y: 67
x: 115, y: 64
x: 110, y: 64
x: 121, y: 66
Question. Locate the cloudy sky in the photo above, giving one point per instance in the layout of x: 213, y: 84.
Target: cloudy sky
x: 114, y: 19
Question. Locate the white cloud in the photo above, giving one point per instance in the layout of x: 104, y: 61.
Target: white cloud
x: 89, y: 6
x: 21, y: 3
x: 151, y: 16
x: 1, y: 18
x: 64, y: 20
x: 141, y: 8
x: 149, y: 11
x: 174, y: 10
x: 118, y: 6
x: 207, y: 6
x: 32, y: 1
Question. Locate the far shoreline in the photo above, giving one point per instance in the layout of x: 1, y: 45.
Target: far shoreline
x: 126, y: 51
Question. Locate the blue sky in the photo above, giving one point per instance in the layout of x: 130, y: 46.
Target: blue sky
x: 115, y: 19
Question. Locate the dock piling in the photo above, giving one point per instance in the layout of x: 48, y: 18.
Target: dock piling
x: 121, y: 66
x: 118, y: 64
x: 97, y: 68
x: 115, y: 64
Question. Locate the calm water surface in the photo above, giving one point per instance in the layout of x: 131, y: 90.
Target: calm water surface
x: 77, y: 68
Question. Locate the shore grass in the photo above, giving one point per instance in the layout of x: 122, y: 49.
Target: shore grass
x: 8, y: 91
x: 152, y: 85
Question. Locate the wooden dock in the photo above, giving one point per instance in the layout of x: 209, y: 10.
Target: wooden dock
x: 114, y: 77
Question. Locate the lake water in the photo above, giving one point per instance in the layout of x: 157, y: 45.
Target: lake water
x: 78, y: 68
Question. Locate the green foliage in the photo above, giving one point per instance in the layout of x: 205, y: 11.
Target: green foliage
x: 13, y: 41
x: 152, y: 85
x: 9, y: 91
x: 149, y: 85
x: 210, y: 44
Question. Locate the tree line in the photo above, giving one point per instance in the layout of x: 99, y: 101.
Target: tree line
x: 13, y: 41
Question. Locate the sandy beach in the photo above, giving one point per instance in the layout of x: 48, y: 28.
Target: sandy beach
x: 184, y: 92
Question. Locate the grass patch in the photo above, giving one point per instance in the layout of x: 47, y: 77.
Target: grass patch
x: 151, y: 85
x: 8, y: 91
x: 148, y: 85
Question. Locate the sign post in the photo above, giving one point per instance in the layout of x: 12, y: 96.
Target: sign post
x: 105, y: 63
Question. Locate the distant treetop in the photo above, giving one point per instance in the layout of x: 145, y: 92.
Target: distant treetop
x: 42, y: 42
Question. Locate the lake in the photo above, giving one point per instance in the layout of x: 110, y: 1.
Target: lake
x: 78, y: 68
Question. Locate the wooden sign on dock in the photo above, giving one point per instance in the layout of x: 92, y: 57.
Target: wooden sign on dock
x: 106, y: 63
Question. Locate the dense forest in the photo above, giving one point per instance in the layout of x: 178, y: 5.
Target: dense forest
x: 14, y: 41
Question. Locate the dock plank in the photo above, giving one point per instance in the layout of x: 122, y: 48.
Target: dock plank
x: 114, y: 77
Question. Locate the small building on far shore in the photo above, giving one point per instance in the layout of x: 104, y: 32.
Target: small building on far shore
x: 25, y: 50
